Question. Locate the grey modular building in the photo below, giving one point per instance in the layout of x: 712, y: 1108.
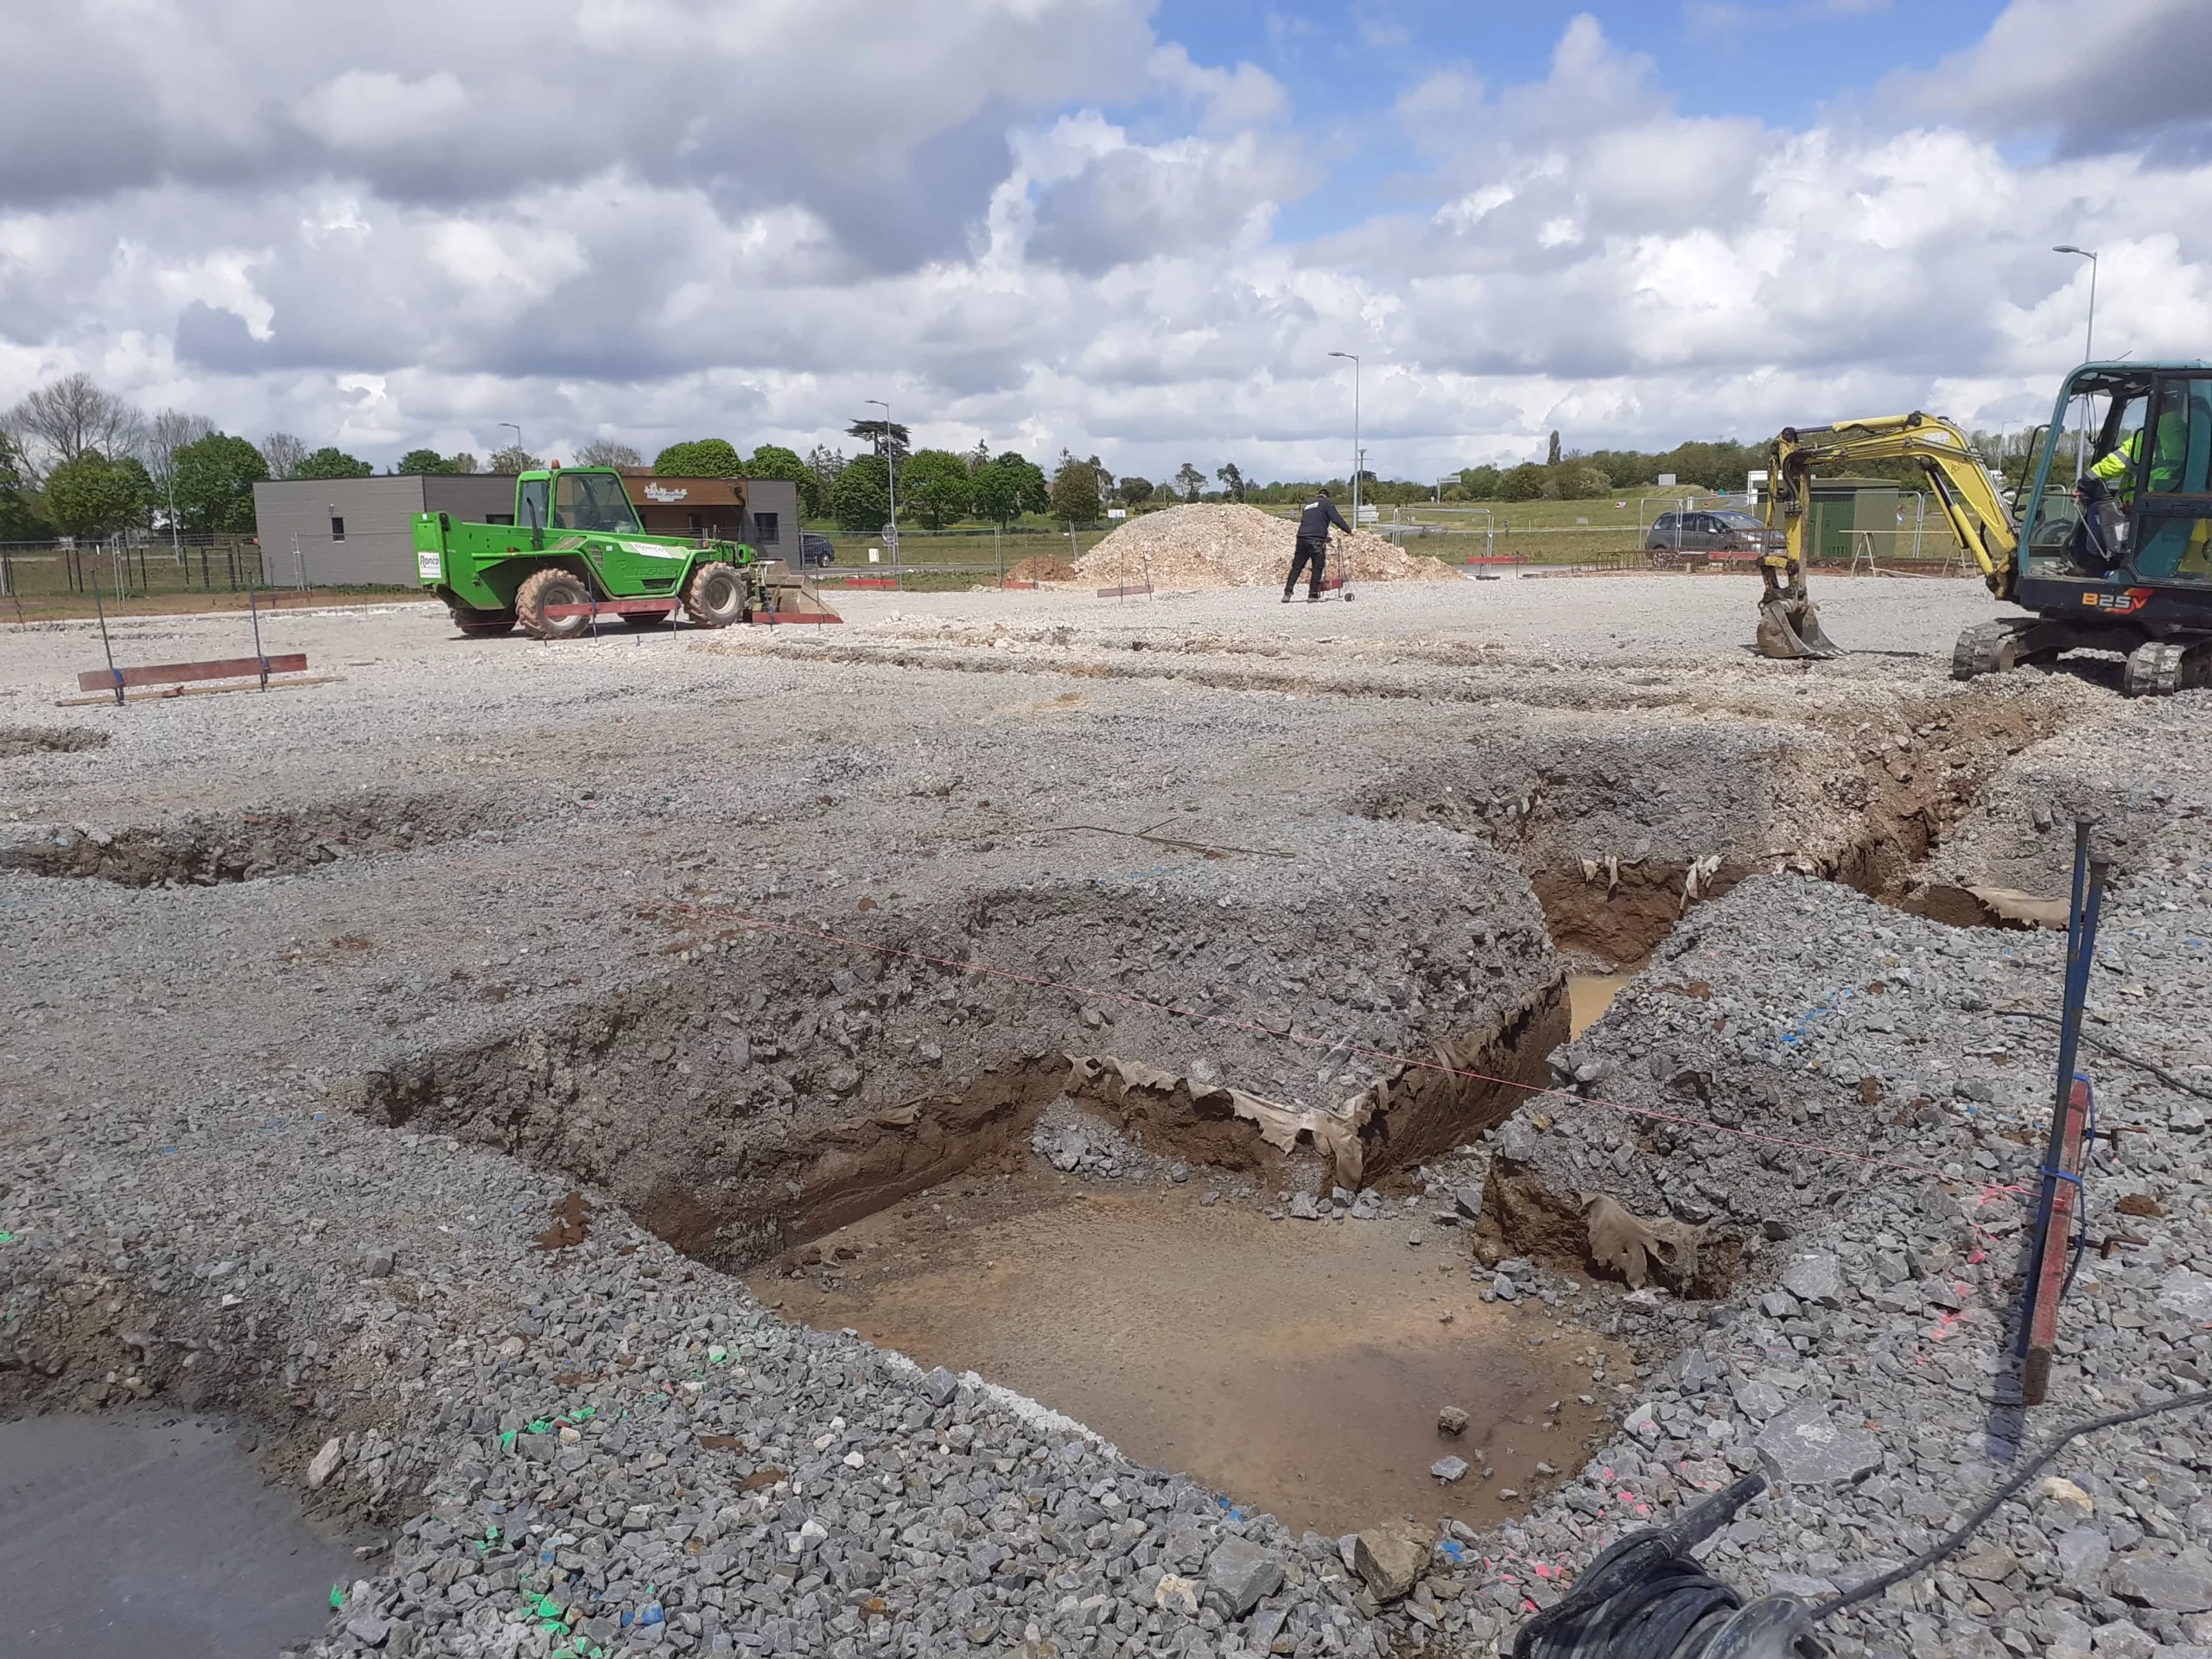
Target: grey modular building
x: 360, y: 531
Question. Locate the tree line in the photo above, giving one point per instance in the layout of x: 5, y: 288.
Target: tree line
x: 78, y: 461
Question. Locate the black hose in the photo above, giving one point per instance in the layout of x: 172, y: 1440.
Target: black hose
x: 2120, y: 1054
x: 2020, y: 1478
x: 1647, y: 1597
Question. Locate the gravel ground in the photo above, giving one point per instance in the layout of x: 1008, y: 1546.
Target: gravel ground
x: 380, y: 972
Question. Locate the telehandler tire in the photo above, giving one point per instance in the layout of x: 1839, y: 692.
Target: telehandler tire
x: 716, y: 595
x: 544, y: 588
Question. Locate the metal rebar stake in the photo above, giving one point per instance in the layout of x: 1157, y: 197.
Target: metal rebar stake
x: 253, y: 605
x: 113, y: 672
x: 2081, y: 942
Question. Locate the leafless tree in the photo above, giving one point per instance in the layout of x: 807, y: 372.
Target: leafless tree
x: 165, y: 434
x: 283, y: 452
x: 59, y: 423
x: 603, y: 451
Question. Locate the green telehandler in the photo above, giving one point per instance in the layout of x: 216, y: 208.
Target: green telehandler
x: 574, y: 553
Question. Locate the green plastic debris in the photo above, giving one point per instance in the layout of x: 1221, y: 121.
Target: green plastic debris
x: 337, y: 1597
x: 507, y: 1439
x: 539, y: 1425
x: 7, y: 1238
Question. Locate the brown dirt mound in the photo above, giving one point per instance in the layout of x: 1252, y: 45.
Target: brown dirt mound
x: 1229, y: 546
x: 1044, y: 567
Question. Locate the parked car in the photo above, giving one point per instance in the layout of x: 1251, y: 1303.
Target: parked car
x: 815, y: 549
x: 1680, y: 538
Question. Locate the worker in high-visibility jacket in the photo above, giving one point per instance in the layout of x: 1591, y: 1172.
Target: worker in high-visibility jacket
x: 2117, y: 472
x: 2167, y: 455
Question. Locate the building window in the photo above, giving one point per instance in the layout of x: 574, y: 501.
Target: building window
x: 764, y: 528
x: 337, y: 528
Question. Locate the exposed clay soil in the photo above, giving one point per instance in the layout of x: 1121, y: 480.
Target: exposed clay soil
x: 1865, y: 802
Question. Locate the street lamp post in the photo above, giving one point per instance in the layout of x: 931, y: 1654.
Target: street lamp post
x: 511, y: 427
x: 2089, y: 335
x: 1354, y: 356
x: 2088, y: 350
x: 891, y: 476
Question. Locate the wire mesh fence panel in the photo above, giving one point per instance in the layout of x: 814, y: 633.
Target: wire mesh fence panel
x: 32, y: 571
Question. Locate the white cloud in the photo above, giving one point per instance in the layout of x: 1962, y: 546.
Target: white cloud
x: 1029, y: 221
x: 2092, y: 73
x: 362, y: 111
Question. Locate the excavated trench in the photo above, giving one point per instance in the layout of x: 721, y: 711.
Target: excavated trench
x: 663, y: 1095
x: 1301, y: 1367
x: 724, y: 1106
x: 206, y: 849
x: 1890, y: 792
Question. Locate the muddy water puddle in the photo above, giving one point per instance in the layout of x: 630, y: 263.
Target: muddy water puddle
x: 142, y: 1533
x: 1297, y: 1366
x: 1588, y: 996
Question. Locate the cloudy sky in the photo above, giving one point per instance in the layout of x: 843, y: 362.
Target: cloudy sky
x: 1110, y: 225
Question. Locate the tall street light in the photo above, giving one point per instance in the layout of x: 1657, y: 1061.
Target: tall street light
x: 510, y: 426
x: 891, y: 475
x: 2089, y: 338
x: 2088, y: 350
x: 1354, y: 356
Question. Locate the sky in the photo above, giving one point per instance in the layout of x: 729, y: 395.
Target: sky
x: 1109, y: 226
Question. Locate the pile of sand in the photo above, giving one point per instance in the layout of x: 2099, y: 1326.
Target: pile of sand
x: 1229, y: 546
x: 1044, y: 567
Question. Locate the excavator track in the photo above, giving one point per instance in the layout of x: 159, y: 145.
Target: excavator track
x: 1985, y: 648
x: 2162, y: 667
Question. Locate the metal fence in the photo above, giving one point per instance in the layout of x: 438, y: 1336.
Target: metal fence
x: 129, y: 567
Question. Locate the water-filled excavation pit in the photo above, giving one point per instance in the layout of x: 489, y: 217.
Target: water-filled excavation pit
x: 1297, y: 1365
x: 1228, y: 1257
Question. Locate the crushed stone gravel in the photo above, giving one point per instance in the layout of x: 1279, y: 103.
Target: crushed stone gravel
x: 284, y: 1139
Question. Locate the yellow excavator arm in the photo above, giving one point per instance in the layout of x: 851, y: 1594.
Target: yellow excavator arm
x: 1954, y: 473
x: 1788, y: 624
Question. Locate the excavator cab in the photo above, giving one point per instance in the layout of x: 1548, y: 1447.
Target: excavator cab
x: 2106, y: 540
x: 2114, y: 548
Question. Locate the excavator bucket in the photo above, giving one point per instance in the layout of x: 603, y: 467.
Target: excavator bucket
x: 1791, y: 629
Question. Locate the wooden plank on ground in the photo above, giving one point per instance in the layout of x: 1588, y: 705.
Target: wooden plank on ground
x: 227, y: 668
x: 168, y: 692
